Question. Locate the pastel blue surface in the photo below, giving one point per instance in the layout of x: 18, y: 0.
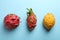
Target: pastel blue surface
x: 40, y: 8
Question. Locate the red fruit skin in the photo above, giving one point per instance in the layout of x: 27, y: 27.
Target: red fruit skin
x: 31, y: 21
x: 11, y: 21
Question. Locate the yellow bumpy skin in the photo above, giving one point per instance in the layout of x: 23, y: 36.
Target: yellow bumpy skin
x: 49, y: 21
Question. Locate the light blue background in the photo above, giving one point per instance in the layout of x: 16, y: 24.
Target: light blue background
x: 40, y: 8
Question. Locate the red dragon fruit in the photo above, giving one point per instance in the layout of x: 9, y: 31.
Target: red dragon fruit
x: 31, y: 19
x: 11, y: 21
